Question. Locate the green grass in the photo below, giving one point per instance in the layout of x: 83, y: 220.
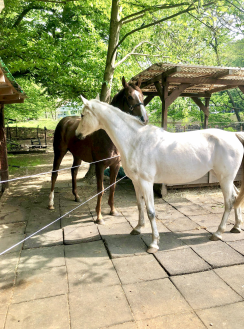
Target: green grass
x: 21, y: 161
x: 48, y: 123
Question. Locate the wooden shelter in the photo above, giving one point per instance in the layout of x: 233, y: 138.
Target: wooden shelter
x: 170, y: 81
x: 10, y: 92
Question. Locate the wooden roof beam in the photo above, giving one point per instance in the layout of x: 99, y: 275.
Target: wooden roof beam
x: 216, y: 90
x: 202, y: 107
x: 161, y: 76
x: 6, y: 90
x: 206, y: 81
x: 9, y: 97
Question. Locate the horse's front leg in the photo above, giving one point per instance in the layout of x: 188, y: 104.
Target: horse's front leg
x: 99, y: 175
x: 147, y: 192
x: 58, y: 157
x: 140, y: 205
x: 114, y: 169
x: 74, y: 172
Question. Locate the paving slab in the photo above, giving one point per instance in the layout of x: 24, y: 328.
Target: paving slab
x: 106, y: 306
x: 38, y: 258
x: 228, y: 316
x: 8, y: 263
x: 207, y: 220
x: 175, y: 321
x: 125, y: 245
x: 45, y: 313
x: 218, y: 254
x: 83, y: 218
x: 192, y: 209
x: 205, y: 290
x: 16, y: 215
x: 168, y: 241
x: 166, y: 211
x: 194, y: 237
x: 17, y: 228
x: 233, y: 276
x: 114, y: 229
x: 177, y: 200
x: 46, y: 239
x: 181, y: 261
x: 126, y: 325
x: 78, y: 233
x: 154, y: 298
x: 237, y: 245
x: 9, y: 241
x: 37, y: 224
x: 41, y: 283
x: 90, y: 254
x: 180, y: 224
x: 109, y: 219
x: 138, y: 268
x: 82, y: 274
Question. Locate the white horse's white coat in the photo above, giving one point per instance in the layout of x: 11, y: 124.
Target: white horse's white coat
x: 151, y: 155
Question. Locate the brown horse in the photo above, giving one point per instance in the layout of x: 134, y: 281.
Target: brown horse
x: 95, y: 147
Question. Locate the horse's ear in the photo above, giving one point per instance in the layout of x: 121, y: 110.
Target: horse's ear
x: 84, y: 100
x: 124, y: 83
x: 139, y: 82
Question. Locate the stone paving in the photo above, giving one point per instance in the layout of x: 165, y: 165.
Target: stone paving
x: 76, y: 274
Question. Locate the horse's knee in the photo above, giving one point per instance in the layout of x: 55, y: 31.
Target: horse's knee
x: 151, y: 214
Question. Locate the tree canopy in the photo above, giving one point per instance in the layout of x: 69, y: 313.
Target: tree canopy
x: 59, y: 49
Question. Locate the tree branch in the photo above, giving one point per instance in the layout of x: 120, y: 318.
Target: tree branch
x: 141, y: 13
x: 132, y: 52
x: 25, y: 12
x: 191, y: 7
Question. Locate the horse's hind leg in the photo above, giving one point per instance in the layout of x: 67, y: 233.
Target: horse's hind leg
x: 141, y: 205
x: 238, y: 216
x: 74, y: 172
x: 99, y: 175
x: 114, y: 169
x: 229, y: 198
x: 58, y: 157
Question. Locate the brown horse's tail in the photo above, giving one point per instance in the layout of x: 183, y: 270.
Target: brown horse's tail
x: 240, y: 198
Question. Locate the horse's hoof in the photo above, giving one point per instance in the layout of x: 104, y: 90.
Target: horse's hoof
x: 214, y: 238
x: 152, y: 250
x: 114, y: 213
x: 77, y: 200
x: 50, y: 207
x: 100, y: 222
x: 235, y: 230
x: 135, y: 232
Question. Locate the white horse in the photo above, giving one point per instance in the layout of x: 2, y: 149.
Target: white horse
x: 152, y: 155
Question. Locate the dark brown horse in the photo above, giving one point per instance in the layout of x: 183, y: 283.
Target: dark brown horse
x: 95, y: 147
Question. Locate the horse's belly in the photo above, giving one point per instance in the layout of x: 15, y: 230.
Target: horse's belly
x: 179, y: 177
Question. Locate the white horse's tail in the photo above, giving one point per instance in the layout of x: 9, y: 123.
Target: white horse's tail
x: 240, y: 198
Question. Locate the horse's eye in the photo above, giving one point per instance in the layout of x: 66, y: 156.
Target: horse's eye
x: 81, y: 115
x: 130, y: 98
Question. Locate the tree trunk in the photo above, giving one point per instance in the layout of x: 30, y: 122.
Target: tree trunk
x: 115, y: 27
x: 234, y: 106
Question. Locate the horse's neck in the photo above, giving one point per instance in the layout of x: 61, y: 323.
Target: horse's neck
x: 122, y: 133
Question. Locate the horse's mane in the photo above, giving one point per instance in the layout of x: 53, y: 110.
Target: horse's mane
x: 127, y: 116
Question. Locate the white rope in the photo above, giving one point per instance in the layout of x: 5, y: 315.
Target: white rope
x: 43, y: 228
x: 49, y: 172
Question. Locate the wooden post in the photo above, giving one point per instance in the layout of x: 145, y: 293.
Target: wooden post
x: 207, y: 99
x: 3, y: 151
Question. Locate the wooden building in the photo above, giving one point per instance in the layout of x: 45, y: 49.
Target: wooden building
x: 10, y: 92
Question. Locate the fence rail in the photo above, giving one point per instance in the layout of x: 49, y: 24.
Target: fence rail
x: 22, y: 133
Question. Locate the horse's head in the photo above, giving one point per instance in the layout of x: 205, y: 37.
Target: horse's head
x: 88, y: 122
x: 133, y: 100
